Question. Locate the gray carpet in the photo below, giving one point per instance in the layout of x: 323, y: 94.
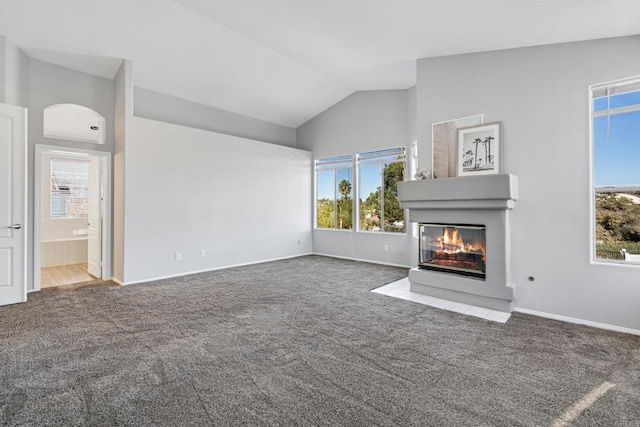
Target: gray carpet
x: 298, y: 342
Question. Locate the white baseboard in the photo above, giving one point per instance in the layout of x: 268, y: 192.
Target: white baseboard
x: 362, y: 260
x: 187, y: 273
x: 119, y: 282
x: 578, y: 321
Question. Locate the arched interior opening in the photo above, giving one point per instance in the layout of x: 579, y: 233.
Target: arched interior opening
x: 74, y: 123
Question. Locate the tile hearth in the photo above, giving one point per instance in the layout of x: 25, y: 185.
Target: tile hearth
x: 401, y: 289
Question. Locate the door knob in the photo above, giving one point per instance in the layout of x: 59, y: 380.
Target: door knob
x: 15, y: 226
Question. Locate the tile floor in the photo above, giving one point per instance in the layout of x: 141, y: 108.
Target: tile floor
x: 400, y: 289
x: 62, y: 275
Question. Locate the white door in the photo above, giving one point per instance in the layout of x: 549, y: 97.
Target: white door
x: 94, y: 248
x: 13, y: 164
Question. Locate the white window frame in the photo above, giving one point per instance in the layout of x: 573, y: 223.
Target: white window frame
x: 598, y: 91
x: 52, y: 161
x: 334, y: 163
x: 382, y: 160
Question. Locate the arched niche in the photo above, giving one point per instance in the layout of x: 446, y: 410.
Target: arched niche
x: 73, y: 123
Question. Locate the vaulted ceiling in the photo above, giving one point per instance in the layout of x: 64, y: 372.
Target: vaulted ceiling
x: 285, y: 61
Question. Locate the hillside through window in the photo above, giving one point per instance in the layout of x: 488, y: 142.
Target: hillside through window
x: 616, y: 172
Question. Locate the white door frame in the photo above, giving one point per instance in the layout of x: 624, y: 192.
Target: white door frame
x: 105, y: 166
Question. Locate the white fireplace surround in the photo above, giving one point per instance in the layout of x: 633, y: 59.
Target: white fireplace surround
x: 483, y: 200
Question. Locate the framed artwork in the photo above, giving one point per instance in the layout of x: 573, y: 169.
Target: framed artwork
x: 444, y: 140
x: 479, y: 150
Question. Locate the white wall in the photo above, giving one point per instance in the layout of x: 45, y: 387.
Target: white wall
x: 51, y: 84
x: 541, y: 96
x: 364, y: 121
x: 167, y: 108
x: 187, y: 190
x: 3, y: 66
x: 16, y: 76
x: 412, y: 114
x: 123, y: 112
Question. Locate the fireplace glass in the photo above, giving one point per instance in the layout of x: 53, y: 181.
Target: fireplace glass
x: 453, y: 248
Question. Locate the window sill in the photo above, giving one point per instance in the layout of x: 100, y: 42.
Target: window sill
x: 371, y: 233
x: 618, y: 263
x: 384, y: 233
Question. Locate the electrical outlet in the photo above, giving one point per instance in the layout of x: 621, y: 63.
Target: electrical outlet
x: 178, y: 256
x: 385, y: 248
x: 202, y: 252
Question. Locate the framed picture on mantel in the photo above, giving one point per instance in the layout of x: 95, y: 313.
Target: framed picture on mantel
x: 479, y: 150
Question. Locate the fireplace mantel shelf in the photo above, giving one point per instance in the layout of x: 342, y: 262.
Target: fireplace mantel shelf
x: 469, y: 192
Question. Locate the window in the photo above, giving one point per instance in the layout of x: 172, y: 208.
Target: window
x: 69, y: 188
x: 334, y: 196
x: 378, y: 175
x: 615, y: 112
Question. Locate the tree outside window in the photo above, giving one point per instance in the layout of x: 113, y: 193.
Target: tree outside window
x: 334, y: 196
x: 379, y: 174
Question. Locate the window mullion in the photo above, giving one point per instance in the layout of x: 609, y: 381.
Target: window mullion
x: 382, y: 166
x: 335, y: 198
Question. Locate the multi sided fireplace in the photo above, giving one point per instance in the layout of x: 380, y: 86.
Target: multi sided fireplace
x: 460, y: 204
x: 453, y: 248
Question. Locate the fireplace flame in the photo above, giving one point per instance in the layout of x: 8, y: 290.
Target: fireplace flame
x: 451, y: 242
